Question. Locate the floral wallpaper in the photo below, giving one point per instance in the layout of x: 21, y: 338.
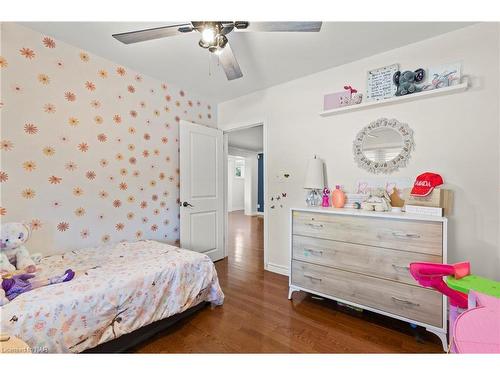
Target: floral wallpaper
x: 89, y: 148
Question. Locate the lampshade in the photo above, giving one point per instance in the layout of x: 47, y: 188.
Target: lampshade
x: 315, y: 178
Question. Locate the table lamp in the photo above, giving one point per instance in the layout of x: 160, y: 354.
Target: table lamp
x: 315, y: 181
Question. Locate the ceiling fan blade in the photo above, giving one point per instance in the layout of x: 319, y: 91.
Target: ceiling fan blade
x: 279, y: 26
x: 229, y: 63
x: 154, y: 33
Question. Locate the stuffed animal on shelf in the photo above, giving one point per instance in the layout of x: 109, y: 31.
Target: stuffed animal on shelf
x: 13, y: 254
x: 354, y: 98
x: 378, y: 200
x: 408, y: 81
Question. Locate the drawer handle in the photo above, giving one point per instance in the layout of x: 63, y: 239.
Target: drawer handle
x: 405, y: 302
x: 312, y: 251
x: 405, y: 235
x: 398, y: 268
x: 314, y: 225
x: 312, y: 277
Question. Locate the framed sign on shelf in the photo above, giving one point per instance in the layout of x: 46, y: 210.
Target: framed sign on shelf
x: 379, y: 83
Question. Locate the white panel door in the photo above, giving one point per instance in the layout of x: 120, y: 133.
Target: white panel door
x: 201, y: 189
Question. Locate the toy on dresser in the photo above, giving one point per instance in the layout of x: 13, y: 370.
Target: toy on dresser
x: 378, y: 200
x: 326, y: 198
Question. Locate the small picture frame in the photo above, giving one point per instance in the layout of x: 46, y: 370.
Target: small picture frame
x: 379, y: 83
x: 444, y: 75
x: 335, y: 100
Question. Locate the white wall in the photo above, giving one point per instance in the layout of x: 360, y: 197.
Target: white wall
x: 456, y: 135
x: 235, y: 188
x: 251, y: 178
x: 122, y: 182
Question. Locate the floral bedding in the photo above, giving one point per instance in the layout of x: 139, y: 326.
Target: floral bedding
x: 117, y: 289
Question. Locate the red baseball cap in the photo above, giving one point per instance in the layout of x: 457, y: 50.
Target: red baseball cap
x: 425, y: 183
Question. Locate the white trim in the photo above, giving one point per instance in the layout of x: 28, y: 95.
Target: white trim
x: 236, y: 209
x: 385, y: 215
x: 242, y: 126
x: 276, y: 268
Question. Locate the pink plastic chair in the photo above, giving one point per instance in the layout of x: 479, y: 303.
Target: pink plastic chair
x: 431, y: 275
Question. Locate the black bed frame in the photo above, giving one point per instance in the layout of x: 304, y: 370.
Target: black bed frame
x: 129, y: 340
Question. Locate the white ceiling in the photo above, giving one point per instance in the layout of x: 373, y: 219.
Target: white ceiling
x: 266, y: 59
x: 251, y: 139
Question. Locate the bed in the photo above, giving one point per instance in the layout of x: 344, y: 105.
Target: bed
x: 118, y: 290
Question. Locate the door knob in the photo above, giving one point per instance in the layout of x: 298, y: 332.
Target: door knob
x: 186, y: 204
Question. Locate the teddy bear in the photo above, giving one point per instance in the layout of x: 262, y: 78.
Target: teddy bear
x: 378, y: 200
x: 408, y: 81
x: 13, y: 254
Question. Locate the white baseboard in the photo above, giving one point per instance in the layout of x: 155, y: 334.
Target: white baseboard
x: 256, y: 213
x: 276, y: 268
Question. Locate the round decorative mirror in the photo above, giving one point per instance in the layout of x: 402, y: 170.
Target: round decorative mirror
x: 383, y: 146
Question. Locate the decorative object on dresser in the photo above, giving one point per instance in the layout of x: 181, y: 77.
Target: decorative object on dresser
x: 326, y: 198
x: 396, y: 200
x: 362, y: 259
x: 383, y: 146
x: 439, y: 198
x: 354, y: 200
x: 315, y: 181
x: 426, y: 198
x: 378, y: 200
x: 338, y: 197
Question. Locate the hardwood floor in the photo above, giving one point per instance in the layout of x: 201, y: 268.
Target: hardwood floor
x: 257, y: 317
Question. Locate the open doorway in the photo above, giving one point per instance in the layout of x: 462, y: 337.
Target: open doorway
x: 245, y: 196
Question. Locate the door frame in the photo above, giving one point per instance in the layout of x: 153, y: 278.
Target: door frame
x: 232, y: 128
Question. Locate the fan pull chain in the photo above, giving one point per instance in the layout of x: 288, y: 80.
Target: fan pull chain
x: 209, y: 65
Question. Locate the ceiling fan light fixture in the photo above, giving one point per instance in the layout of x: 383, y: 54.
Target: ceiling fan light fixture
x: 219, y: 44
x: 208, y: 35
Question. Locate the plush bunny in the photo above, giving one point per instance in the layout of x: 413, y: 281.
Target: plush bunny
x: 377, y: 201
x: 13, y: 253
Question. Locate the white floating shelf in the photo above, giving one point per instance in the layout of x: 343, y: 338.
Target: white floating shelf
x: 398, y: 99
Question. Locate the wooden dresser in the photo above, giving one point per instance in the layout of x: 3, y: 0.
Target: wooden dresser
x: 362, y: 259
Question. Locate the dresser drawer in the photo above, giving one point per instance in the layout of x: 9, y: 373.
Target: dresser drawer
x: 421, y: 237
x: 419, y: 304
x: 370, y: 260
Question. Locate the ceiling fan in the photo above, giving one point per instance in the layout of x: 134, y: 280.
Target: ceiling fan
x: 213, y: 36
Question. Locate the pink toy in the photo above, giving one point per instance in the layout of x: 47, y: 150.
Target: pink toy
x: 326, y: 198
x: 351, y: 89
x: 431, y: 275
x: 477, y: 330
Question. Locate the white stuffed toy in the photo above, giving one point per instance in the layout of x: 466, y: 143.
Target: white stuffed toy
x: 13, y: 254
x: 377, y: 201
